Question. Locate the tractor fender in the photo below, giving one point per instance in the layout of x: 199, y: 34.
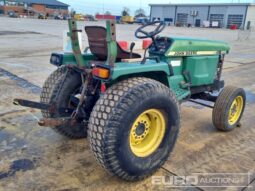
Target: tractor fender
x: 157, y: 71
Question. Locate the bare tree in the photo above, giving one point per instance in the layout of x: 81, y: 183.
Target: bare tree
x: 125, y: 11
x: 107, y: 13
x: 140, y: 13
x: 72, y: 12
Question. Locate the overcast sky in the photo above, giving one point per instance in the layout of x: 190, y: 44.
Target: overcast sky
x: 115, y: 6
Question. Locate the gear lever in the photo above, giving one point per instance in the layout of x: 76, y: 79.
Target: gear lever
x: 132, y: 45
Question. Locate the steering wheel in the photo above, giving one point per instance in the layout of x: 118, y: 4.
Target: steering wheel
x: 141, y: 33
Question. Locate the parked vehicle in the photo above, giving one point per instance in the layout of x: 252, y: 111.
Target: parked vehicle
x: 79, y: 17
x: 127, y: 19
x: 42, y: 16
x: 12, y: 14
x: 141, y: 20
x: 59, y: 17
x: 66, y: 17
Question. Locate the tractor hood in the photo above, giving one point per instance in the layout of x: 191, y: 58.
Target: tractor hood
x: 195, y: 47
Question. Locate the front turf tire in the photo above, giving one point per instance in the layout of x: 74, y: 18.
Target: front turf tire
x: 228, y: 108
x: 113, y: 117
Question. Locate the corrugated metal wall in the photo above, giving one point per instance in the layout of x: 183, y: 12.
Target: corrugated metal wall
x: 169, y: 11
x: 201, y: 10
x: 229, y: 10
x: 157, y: 12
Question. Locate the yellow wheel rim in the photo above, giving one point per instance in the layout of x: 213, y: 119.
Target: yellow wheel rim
x: 235, y: 110
x: 147, y: 132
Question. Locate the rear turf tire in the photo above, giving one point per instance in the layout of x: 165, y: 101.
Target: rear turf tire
x: 52, y: 92
x: 61, y: 94
x: 112, y: 121
x: 225, y: 103
x: 49, y: 86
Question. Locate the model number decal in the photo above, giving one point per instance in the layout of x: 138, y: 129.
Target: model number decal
x: 185, y: 53
x: 191, y: 53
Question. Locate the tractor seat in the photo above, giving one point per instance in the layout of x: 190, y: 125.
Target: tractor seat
x: 98, y: 44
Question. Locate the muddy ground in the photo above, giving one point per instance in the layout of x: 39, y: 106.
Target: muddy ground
x: 37, y: 158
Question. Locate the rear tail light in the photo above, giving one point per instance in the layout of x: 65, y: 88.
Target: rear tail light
x: 101, y: 72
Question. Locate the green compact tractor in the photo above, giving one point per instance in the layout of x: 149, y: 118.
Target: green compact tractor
x: 128, y: 104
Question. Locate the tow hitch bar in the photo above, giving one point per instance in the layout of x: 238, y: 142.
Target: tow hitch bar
x: 48, y: 122
x: 41, y: 106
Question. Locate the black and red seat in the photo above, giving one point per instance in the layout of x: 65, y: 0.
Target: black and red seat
x: 98, y: 45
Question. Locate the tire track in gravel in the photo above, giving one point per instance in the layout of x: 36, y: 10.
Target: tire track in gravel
x: 211, y: 154
x: 21, y: 82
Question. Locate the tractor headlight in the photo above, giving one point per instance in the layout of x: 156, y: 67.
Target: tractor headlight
x: 56, y: 59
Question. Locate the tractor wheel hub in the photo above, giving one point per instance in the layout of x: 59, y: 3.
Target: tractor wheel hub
x: 147, y: 132
x: 140, y: 129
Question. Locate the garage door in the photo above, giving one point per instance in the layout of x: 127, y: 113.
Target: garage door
x: 182, y: 19
x: 218, y: 18
x: 235, y: 20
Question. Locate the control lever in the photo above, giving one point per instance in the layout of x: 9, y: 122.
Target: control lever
x: 77, y: 30
x: 132, y: 45
x: 156, y: 58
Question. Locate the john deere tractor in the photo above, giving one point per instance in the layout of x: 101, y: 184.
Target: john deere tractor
x: 128, y: 104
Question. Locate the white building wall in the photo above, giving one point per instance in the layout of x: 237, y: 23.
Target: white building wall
x: 228, y: 10
x: 251, y: 16
x: 169, y: 12
x: 157, y: 12
x: 219, y: 10
x: 236, y: 10
x: 202, y: 12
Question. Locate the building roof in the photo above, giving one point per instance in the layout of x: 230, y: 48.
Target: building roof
x: 44, y: 2
x: 205, y: 4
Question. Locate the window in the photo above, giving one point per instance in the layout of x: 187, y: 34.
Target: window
x: 168, y: 19
x: 56, y: 7
x: 182, y: 19
x: 235, y: 20
x: 11, y: 3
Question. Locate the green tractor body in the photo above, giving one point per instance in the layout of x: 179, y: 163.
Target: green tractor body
x: 183, y: 62
x: 129, y: 104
